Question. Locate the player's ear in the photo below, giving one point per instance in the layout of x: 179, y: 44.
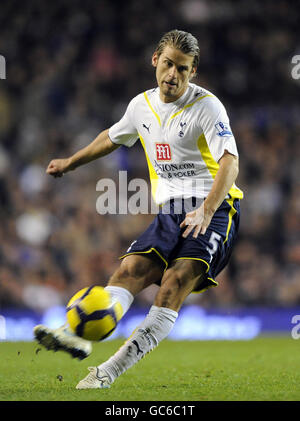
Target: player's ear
x: 193, y: 73
x: 154, y: 59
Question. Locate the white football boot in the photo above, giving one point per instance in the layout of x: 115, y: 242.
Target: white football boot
x: 96, y: 379
x: 62, y: 339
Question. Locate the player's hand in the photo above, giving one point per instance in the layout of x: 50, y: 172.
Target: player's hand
x: 197, y: 220
x: 57, y: 167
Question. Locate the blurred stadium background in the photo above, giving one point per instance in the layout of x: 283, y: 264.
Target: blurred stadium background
x: 71, y: 69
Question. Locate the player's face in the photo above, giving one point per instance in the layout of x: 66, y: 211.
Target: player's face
x: 174, y: 70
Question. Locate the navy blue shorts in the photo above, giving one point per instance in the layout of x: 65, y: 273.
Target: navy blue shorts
x: 164, y: 237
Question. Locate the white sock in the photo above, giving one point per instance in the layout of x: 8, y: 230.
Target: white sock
x: 122, y: 295
x: 155, y: 327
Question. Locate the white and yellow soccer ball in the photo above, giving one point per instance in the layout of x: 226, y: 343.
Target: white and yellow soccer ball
x: 92, y: 315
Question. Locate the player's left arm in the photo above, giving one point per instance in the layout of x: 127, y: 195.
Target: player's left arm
x: 199, y: 219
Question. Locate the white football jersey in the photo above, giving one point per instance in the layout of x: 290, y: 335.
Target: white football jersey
x: 183, y: 141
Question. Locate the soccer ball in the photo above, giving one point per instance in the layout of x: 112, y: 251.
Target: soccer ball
x: 91, y: 314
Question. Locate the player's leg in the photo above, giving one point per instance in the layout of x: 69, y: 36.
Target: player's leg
x: 135, y: 273
x: 197, y: 263
x: 182, y: 277
x: 145, y: 260
x: 177, y: 283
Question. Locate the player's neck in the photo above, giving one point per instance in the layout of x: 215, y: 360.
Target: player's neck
x: 167, y: 99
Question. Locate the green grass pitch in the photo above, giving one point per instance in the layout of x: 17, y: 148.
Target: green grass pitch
x: 263, y: 369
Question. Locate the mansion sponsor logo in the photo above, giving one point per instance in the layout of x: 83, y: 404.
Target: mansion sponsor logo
x: 163, y: 152
x: 186, y: 169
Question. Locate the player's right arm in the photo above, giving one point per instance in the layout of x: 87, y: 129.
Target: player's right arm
x: 100, y: 146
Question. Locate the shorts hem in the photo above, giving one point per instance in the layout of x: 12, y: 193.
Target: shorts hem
x: 195, y: 258
x: 146, y: 252
x: 213, y: 285
x: 213, y: 282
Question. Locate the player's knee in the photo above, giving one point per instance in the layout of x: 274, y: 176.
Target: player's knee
x: 128, y: 270
x: 135, y: 273
x: 133, y: 267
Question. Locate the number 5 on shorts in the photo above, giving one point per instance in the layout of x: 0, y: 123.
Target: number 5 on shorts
x: 213, y: 241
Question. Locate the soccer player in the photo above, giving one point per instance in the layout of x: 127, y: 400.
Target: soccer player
x: 193, y: 164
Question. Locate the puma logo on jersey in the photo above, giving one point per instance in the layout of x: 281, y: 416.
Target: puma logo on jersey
x: 163, y: 152
x: 147, y: 128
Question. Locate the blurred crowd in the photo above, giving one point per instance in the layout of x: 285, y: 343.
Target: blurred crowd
x: 72, y: 67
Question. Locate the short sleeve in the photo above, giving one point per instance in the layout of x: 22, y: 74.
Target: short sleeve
x: 215, y: 124
x: 124, y: 132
